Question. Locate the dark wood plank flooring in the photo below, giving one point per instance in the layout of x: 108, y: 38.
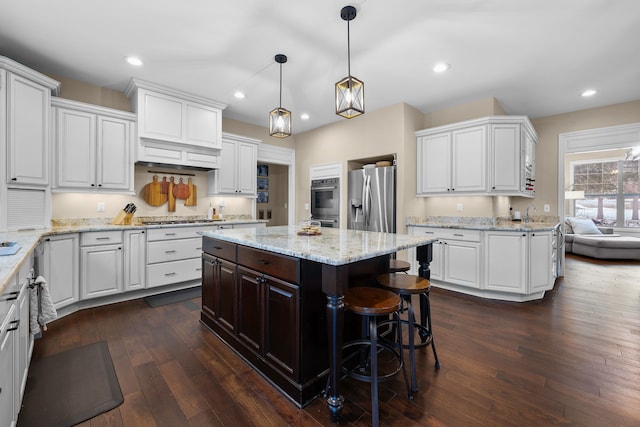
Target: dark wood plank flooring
x: 572, y: 358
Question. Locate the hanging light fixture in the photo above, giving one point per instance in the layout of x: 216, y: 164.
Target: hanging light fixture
x: 280, y: 118
x: 349, y: 91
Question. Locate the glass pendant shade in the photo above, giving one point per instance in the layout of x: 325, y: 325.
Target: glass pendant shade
x: 280, y: 122
x: 349, y: 97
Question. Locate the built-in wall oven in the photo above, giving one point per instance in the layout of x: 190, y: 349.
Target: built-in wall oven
x: 325, y: 201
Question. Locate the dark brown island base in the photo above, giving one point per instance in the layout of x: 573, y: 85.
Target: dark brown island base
x: 276, y: 298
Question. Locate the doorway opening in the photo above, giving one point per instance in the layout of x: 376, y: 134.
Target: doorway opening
x: 272, y: 203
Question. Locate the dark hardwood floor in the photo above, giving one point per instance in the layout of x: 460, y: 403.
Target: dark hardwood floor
x: 572, y: 358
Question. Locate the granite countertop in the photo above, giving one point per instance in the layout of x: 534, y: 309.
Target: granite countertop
x: 334, y: 246
x: 484, y: 224
x: 29, y: 239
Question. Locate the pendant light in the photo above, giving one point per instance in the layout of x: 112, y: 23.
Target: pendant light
x: 280, y: 118
x: 349, y: 91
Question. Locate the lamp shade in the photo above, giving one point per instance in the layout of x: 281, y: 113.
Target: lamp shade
x: 280, y: 122
x: 574, y: 195
x: 349, y: 97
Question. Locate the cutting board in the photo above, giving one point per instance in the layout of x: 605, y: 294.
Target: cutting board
x: 192, y: 199
x: 152, y: 193
x: 171, y: 197
x: 181, y: 190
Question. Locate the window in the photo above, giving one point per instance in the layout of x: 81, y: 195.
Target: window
x: 612, y: 191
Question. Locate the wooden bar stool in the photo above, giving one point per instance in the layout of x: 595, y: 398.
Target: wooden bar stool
x: 370, y: 303
x: 398, y: 266
x: 406, y: 285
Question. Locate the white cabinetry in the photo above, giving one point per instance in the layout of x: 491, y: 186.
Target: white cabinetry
x: 175, y: 127
x: 24, y: 146
x: 519, y: 262
x: 27, y: 131
x: 15, y: 343
x: 237, y: 172
x: 7, y: 363
x: 101, y: 264
x: 491, y: 155
x: 457, y: 255
x: 93, y: 147
x: 59, y: 265
x: 135, y: 253
x: 174, y: 255
x: 453, y: 162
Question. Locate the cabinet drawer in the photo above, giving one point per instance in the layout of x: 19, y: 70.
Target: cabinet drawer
x: 220, y: 249
x: 163, y: 251
x: 281, y: 266
x: 449, y: 233
x: 100, y: 238
x: 172, y: 233
x: 174, y: 272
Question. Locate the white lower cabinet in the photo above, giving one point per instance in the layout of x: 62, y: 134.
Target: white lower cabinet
x: 7, y: 362
x: 101, y: 264
x: 462, y: 263
x: 506, y: 261
x: 135, y: 255
x: 174, y: 255
x: 508, y: 265
x: 59, y: 265
x: 519, y: 262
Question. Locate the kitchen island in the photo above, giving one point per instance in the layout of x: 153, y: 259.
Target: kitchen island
x: 276, y: 298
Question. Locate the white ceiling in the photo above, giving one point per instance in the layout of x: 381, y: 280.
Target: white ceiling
x: 534, y: 56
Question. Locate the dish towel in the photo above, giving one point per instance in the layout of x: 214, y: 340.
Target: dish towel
x: 42, y: 309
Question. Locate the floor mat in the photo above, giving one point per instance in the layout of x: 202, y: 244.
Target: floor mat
x: 70, y: 387
x: 173, y: 297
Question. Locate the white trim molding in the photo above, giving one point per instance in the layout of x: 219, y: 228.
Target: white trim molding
x: 281, y: 156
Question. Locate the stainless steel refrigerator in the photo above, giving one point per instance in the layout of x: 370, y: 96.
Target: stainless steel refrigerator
x: 372, y: 199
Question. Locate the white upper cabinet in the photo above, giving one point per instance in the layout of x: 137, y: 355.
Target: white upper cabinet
x: 176, y: 127
x: 238, y: 167
x: 93, y: 147
x: 24, y: 126
x: 491, y: 155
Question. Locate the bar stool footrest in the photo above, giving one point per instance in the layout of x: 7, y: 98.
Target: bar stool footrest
x: 382, y: 347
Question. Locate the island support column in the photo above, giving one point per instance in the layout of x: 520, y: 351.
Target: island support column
x: 334, y: 283
x: 424, y: 255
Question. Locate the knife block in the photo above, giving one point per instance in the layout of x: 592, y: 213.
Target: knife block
x: 122, y: 218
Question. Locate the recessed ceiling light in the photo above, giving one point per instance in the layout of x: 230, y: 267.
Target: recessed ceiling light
x: 441, y: 67
x: 589, y: 92
x: 304, y: 116
x: 239, y: 95
x: 135, y: 61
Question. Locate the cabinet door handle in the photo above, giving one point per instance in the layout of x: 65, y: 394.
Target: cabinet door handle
x: 170, y: 252
x: 169, y: 234
x: 14, y: 328
x: 170, y: 274
x: 217, y: 248
x: 458, y: 235
x: 11, y: 296
x: 428, y: 232
x: 198, y: 269
x: 103, y: 238
x: 262, y: 261
x: 14, y: 179
x: 199, y: 249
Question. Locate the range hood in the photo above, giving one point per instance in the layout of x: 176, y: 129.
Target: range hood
x: 174, y: 166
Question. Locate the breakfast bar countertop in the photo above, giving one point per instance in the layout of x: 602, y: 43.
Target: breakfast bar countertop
x: 334, y: 246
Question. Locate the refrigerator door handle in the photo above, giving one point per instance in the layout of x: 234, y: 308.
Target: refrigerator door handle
x: 367, y: 201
